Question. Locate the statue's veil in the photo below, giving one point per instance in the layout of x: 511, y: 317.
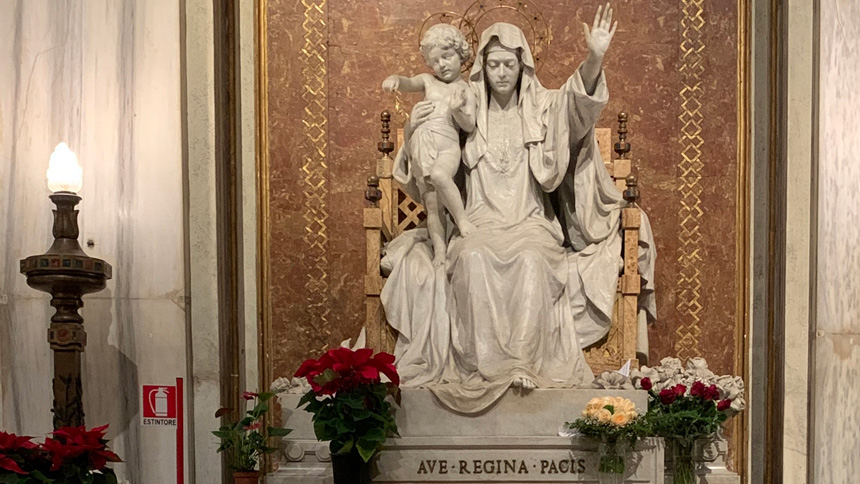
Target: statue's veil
x: 530, y: 88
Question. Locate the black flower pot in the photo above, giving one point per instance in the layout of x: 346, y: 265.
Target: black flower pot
x: 350, y: 469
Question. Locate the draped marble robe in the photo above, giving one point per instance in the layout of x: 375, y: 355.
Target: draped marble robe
x: 513, y: 302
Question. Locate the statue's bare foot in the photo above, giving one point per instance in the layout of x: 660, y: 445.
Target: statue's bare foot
x: 525, y: 383
x: 466, y: 228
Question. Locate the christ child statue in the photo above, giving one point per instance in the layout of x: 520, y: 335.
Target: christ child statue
x: 434, y: 146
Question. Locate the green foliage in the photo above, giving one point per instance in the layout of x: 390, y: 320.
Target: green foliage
x: 686, y: 419
x: 66, y: 475
x: 103, y: 477
x: 356, y: 420
x: 245, y: 441
x: 637, y: 428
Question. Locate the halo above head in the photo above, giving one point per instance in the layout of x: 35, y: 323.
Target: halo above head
x: 458, y: 21
x: 524, y: 13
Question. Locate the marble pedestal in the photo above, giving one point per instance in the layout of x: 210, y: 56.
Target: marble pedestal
x: 515, y: 440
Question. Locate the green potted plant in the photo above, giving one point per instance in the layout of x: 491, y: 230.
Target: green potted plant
x: 74, y: 455
x: 618, y: 425
x: 349, y: 406
x: 245, y: 440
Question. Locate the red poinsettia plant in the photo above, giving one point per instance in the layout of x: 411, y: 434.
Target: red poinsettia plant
x: 74, y: 455
x: 348, y: 399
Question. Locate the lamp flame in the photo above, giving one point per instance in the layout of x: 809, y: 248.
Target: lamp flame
x: 64, y: 173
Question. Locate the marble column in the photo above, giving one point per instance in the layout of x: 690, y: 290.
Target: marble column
x: 799, y: 35
x: 103, y: 76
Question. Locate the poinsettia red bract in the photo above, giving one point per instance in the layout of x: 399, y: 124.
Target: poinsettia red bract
x: 13, y: 445
x: 71, y: 455
x: 342, y: 369
x: 72, y: 442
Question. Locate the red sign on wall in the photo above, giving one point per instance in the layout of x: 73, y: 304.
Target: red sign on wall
x: 159, y: 405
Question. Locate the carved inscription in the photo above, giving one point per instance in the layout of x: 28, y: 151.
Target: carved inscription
x: 571, y: 465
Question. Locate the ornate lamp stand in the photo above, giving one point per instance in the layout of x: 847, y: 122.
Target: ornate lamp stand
x: 67, y: 273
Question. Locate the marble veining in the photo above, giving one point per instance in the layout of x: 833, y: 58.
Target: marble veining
x: 103, y: 76
x: 836, y: 373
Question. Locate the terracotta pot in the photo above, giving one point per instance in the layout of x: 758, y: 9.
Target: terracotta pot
x: 350, y: 469
x: 252, y: 477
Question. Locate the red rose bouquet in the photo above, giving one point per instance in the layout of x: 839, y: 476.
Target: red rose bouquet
x: 74, y: 455
x: 687, y: 404
x: 682, y: 413
x: 348, y: 399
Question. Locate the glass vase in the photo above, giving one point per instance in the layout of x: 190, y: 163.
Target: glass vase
x: 683, y: 466
x: 613, y: 456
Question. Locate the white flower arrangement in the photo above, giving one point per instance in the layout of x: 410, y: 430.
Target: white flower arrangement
x: 671, y: 372
x: 290, y: 386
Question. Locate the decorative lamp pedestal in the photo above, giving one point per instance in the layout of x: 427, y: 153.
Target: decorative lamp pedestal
x: 67, y: 273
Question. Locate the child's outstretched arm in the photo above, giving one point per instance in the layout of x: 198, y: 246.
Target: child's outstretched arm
x: 404, y: 84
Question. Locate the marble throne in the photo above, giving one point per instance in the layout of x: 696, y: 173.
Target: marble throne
x: 392, y: 211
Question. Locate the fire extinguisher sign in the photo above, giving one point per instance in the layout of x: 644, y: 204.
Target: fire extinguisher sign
x: 159, y: 405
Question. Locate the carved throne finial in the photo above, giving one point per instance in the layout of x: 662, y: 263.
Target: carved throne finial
x: 385, y: 146
x: 622, y: 147
x: 631, y: 194
x: 373, y: 194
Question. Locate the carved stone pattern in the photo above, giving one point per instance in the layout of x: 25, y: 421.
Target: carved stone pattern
x: 69, y: 411
x: 690, y: 167
x: 315, y: 172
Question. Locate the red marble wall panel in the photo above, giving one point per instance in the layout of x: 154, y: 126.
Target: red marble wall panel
x: 364, y: 41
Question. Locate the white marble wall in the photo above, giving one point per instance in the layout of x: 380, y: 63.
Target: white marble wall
x: 835, y: 447
x: 247, y: 123
x: 104, y: 76
x: 199, y: 71
x: 799, y: 98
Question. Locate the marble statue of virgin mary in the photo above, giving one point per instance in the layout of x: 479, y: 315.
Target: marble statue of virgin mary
x: 535, y: 283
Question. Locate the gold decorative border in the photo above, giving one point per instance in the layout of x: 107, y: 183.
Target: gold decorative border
x: 315, y: 170
x: 690, y: 167
x: 261, y: 131
x: 742, y: 229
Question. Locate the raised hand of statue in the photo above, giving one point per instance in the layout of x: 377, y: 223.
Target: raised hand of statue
x: 457, y: 100
x: 597, y: 39
x: 391, y: 83
x: 600, y: 36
